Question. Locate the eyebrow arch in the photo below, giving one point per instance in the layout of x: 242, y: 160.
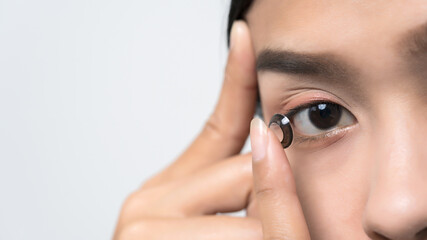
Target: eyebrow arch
x: 414, y: 42
x: 321, y: 67
x: 413, y: 48
x: 300, y: 63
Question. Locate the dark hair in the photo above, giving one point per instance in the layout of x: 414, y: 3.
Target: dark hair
x: 238, y: 9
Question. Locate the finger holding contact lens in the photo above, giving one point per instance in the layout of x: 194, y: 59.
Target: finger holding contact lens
x: 281, y: 126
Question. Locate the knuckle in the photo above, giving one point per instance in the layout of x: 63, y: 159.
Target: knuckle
x: 247, y: 159
x: 135, y: 201
x: 131, y: 200
x: 138, y: 230
x: 255, y: 226
x: 220, y: 129
x: 129, y: 204
x: 228, y: 76
x: 245, y: 164
x: 212, y: 126
x: 241, y: 164
x: 264, y: 192
x: 274, y: 238
x: 276, y: 233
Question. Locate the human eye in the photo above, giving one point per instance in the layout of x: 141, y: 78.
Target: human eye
x: 318, y: 120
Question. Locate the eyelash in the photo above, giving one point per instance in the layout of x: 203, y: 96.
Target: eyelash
x: 311, y: 139
x: 291, y: 112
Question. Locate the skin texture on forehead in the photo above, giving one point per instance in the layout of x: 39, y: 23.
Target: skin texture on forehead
x: 370, y: 183
x: 374, y: 38
x: 315, y: 26
x: 336, y: 26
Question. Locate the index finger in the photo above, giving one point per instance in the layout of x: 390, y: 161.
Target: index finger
x: 278, y: 204
x: 228, y: 126
x: 226, y: 130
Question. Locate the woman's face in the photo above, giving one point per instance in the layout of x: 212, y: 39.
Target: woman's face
x: 360, y: 167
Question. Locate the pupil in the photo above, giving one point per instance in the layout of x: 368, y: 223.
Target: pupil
x: 324, y: 115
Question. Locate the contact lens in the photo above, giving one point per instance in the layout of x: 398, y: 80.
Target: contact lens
x: 281, y: 126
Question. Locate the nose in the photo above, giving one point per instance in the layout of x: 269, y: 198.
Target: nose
x: 396, y: 207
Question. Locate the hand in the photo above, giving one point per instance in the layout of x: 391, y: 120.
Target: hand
x: 210, y: 176
x: 278, y: 205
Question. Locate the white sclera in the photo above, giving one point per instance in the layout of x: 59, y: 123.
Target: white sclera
x: 305, y: 126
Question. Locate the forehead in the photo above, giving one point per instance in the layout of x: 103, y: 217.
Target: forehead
x: 384, y: 41
x: 335, y: 26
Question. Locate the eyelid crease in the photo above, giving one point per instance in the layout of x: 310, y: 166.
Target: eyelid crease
x: 320, y: 94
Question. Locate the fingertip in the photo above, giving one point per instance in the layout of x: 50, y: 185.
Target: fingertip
x: 275, y: 146
x: 259, y: 140
x: 264, y: 142
x: 275, y: 149
x: 241, y: 63
x: 279, y: 164
x: 237, y: 30
x: 241, y: 44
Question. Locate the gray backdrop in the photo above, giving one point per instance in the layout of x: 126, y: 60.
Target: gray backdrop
x: 90, y: 93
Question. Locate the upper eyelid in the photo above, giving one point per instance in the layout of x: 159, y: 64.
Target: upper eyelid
x: 291, y: 112
x: 301, y: 139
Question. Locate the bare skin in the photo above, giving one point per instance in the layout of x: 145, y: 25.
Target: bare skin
x: 210, y: 177
x: 368, y: 181
x: 364, y: 180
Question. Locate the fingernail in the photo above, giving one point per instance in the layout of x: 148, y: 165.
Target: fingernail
x: 235, y: 29
x: 258, y: 139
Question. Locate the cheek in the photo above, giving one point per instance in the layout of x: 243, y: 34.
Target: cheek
x: 333, y: 185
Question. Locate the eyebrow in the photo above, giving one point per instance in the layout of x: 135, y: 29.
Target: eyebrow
x: 325, y: 67
x: 333, y: 70
x: 291, y: 62
x: 413, y: 48
x: 414, y: 42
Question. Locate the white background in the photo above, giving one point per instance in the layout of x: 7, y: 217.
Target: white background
x: 95, y: 97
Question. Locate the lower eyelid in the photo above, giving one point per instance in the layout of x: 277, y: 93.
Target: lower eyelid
x: 330, y: 137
